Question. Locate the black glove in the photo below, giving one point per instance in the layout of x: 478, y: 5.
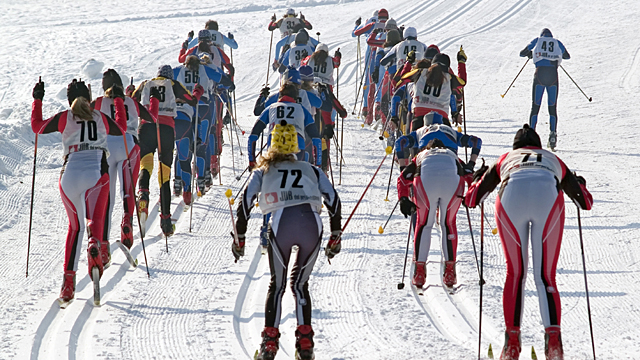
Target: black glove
x: 38, y: 90
x: 190, y: 34
x: 333, y: 246
x: 328, y: 131
x: 468, y: 167
x: 337, y: 54
x: 580, y: 179
x: 407, y: 207
x: 302, y: 17
x: 526, y: 52
x: 395, y: 120
x: 238, y: 249
x: 377, y: 30
x: 273, y: 18
x: 480, y: 172
x: 154, y: 92
x: 230, y: 36
x: 185, y: 44
x: 411, y: 56
x: 376, y: 74
x: 117, y: 92
x: 359, y: 21
x: 462, y: 57
x: 264, y: 92
x: 401, y: 28
x: 226, y: 81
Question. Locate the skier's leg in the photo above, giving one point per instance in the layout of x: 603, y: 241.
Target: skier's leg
x: 183, y: 131
x: 115, y: 160
x: 71, y: 196
x: 148, y: 143
x: 278, y: 261
x: 129, y: 172
x: 96, y: 205
x: 452, y: 196
x: 537, y: 92
x: 426, y: 217
x: 552, y: 98
x: 167, y: 138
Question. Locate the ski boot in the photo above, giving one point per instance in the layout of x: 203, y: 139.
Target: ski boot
x: 105, y: 254
x: 68, y: 290
x: 178, y: 184
x: 269, y: 346
x: 512, y: 347
x: 214, y: 166
x: 264, y: 238
x: 553, y: 343
x: 167, y: 226
x: 186, y: 197
x: 143, y: 203
x: 126, y: 231
x: 553, y: 137
x: 227, y: 119
x: 202, y: 187
x: 94, y: 258
x: 449, y: 277
x: 208, y: 179
x: 304, y: 343
x: 419, y: 274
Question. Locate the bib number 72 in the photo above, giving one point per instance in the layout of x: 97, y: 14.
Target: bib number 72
x: 295, y: 172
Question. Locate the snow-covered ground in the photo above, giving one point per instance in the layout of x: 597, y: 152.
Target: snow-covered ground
x: 199, y: 304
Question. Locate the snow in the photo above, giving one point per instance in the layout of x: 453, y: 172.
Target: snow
x: 199, y: 304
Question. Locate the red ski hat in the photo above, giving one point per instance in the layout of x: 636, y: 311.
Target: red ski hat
x: 383, y: 14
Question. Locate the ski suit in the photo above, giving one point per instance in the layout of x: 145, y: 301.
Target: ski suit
x: 530, y: 209
x: 84, y: 179
x: 289, y: 24
x: 217, y: 38
x: 291, y: 192
x: 368, y: 89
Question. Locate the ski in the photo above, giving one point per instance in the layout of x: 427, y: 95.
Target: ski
x: 127, y: 254
x: 63, y: 304
x: 95, y: 274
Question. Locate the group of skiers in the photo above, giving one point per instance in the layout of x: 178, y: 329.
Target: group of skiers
x: 409, y: 88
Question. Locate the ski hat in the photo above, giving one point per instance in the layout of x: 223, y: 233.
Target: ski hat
x: 292, y: 75
x: 166, y: 72
x: 322, y: 47
x: 204, y: 35
x: 526, y: 137
x: 431, y: 51
x: 391, y: 25
x: 410, y: 32
x: 76, y: 89
x: 393, y: 37
x: 442, y: 60
x: 546, y: 33
x: 284, y: 138
x: 211, y: 25
x: 375, y: 13
x: 306, y: 73
x: 301, y: 38
x: 110, y: 78
x: 290, y: 11
x: 383, y: 14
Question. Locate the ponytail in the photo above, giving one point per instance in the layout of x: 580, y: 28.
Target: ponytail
x: 435, y: 75
x: 81, y: 108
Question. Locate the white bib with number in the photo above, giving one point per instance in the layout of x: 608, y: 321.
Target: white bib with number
x: 547, y: 48
x: 527, y: 159
x: 167, y: 99
x: 289, y: 184
x: 323, y: 70
x: 79, y: 134
x: 288, y: 25
x: 292, y: 113
x: 107, y: 107
x: 191, y: 78
x: 298, y: 53
x: 427, y: 96
x: 405, y: 47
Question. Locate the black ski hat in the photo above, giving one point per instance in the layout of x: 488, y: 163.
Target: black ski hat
x: 301, y: 38
x: 76, y: 89
x: 110, y: 78
x: 526, y: 137
x: 546, y: 33
x: 442, y: 60
x: 431, y: 51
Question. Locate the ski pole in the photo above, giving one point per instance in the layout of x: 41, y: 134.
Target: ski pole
x: 574, y: 83
x: 381, y: 228
x: 166, y: 240
x: 481, y: 277
x: 266, y: 82
x: 390, y: 175
x: 228, y: 194
x: 364, y: 72
x: 338, y: 147
x: 387, y: 152
x: 514, y: 80
x: 481, y: 281
x: 586, y: 287
x: 406, y: 255
x: 464, y: 121
x: 235, y: 108
x: 194, y: 164
x: 33, y: 183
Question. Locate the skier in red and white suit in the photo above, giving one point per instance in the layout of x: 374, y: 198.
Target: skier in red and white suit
x: 84, y: 181
x: 530, y: 208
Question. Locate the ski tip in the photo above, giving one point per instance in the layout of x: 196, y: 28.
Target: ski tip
x: 490, y: 352
x: 533, y: 354
x: 63, y: 303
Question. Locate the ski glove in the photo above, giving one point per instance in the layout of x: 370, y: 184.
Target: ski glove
x: 580, y: 179
x: 407, y: 207
x: 334, y: 246
x: 154, y: 92
x: 230, y: 36
x: 328, y: 131
x: 185, y: 44
x: 302, y: 17
x: 411, y: 56
x: 462, y: 57
x: 480, y: 172
x: 190, y: 34
x: 117, y: 92
x: 38, y: 90
x: 226, y: 82
x: 526, y: 53
x: 359, y: 21
x: 238, y: 249
x: 264, y: 92
x: 337, y: 54
x: 395, y: 120
x: 273, y: 17
x: 468, y: 167
x: 130, y: 89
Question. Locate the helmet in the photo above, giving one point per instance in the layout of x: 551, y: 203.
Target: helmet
x: 526, y: 137
x: 110, y: 78
x: 292, y: 75
x: 76, y: 89
x: 204, y: 35
x: 383, y: 14
x: 431, y: 51
x: 301, y: 38
x: 546, y: 33
x: 410, y: 32
x: 322, y: 47
x: 391, y: 25
x: 290, y: 12
x: 306, y: 73
x: 165, y: 71
x: 442, y: 60
x: 375, y: 13
x: 284, y: 137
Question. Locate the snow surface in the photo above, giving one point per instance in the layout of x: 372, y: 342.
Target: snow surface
x: 199, y: 304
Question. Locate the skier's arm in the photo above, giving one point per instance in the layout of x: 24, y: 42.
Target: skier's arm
x: 314, y: 100
x: 230, y: 42
x: 312, y: 130
x: 248, y: 199
x: 219, y: 77
x: 143, y: 113
x: 576, y: 188
x: 405, y: 180
x: 257, y: 129
x: 396, y: 99
x: 181, y: 92
x: 526, y: 52
x: 565, y: 53
x: 119, y: 126
x: 40, y: 126
x: 390, y: 57
x: 273, y: 25
x: 373, y: 41
x: 470, y: 141
x: 363, y: 29
x: 331, y: 200
x: 484, y: 183
x: 184, y: 53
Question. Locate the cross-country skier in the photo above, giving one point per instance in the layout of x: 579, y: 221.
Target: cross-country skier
x: 285, y: 44
x: 122, y: 165
x: 382, y: 76
x: 547, y: 54
x: 530, y: 209
x: 289, y: 23
x: 291, y: 191
x: 217, y: 38
x: 169, y: 91
x: 299, y: 51
x: 437, y: 176
x: 84, y: 180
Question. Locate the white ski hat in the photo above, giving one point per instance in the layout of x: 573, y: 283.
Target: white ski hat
x: 290, y: 11
x: 391, y: 25
x: 410, y: 32
x: 322, y: 46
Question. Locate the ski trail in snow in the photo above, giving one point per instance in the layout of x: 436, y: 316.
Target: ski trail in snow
x: 631, y: 76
